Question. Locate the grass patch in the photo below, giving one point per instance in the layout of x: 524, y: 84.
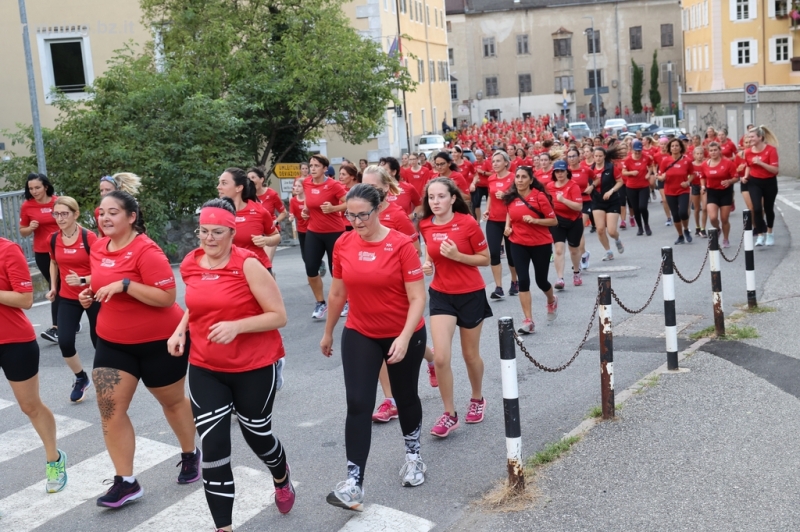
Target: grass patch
x: 708, y: 332
x: 552, y: 451
x: 759, y: 310
x: 649, y: 382
x: 597, y: 411
x: 732, y: 332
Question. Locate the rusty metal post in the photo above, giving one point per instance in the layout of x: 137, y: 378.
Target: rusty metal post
x: 508, y: 361
x: 749, y: 259
x: 670, y: 319
x: 716, y: 281
x: 606, y: 348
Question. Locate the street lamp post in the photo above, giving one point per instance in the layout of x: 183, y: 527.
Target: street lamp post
x: 669, y: 84
x: 594, y: 74
x: 37, y: 127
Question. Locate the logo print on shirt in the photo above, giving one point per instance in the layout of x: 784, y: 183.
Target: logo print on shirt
x: 315, y: 191
x: 439, y: 237
x: 366, y: 256
x: 46, y: 210
x: 108, y: 263
x: 240, y: 219
x: 388, y: 247
x: 418, y: 271
x: 164, y: 281
x: 68, y: 251
x: 209, y: 277
x: 456, y: 228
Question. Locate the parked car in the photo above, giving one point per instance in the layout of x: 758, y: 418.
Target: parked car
x: 579, y: 130
x: 615, y: 126
x: 467, y: 154
x: 667, y: 131
x: 428, y: 144
x: 645, y: 127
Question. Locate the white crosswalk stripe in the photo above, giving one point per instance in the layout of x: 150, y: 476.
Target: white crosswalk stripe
x: 5, y: 404
x: 32, y: 507
x: 377, y: 517
x: 25, y: 439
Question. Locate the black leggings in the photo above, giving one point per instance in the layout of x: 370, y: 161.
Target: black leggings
x: 362, y: 358
x: 301, y: 238
x: 212, y: 395
x: 43, y: 263
x: 767, y: 190
x: 637, y: 201
x: 540, y: 257
x: 69, y: 316
x: 315, y: 247
x: 679, y: 207
x: 495, y: 238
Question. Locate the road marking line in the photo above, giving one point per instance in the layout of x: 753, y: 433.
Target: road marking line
x: 41, y: 303
x: 377, y: 517
x: 5, y: 404
x: 24, y: 439
x: 254, y: 493
x: 791, y: 204
x: 32, y: 507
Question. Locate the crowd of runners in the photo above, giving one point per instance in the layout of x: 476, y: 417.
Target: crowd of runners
x: 530, y: 197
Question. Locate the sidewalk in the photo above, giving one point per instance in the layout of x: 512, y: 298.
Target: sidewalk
x: 711, y: 449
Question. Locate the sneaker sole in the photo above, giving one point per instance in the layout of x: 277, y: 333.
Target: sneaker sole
x: 523, y: 331
x: 49, y: 338
x: 66, y: 478
x: 385, y: 420
x: 83, y: 396
x: 130, y: 498
x: 446, y: 434
x: 333, y: 500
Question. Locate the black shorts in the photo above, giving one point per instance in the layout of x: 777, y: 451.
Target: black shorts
x: 20, y: 361
x: 607, y: 206
x: 587, y: 207
x: 659, y: 184
x: 478, y: 195
x: 695, y: 190
x: 470, y: 309
x: 743, y: 187
x: 149, y: 361
x: 720, y: 198
x: 571, y: 233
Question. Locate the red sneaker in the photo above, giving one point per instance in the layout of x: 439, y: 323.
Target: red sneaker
x: 284, y: 497
x: 386, y: 412
x: 432, y: 376
x: 445, y: 425
x: 476, y: 409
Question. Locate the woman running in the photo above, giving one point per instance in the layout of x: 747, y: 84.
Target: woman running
x: 406, y: 198
x: 36, y: 218
x: 445, y: 167
x: 495, y: 217
x: 19, y: 358
x: 271, y: 201
x: 717, y: 180
x: 416, y: 175
x: 677, y: 173
x: 762, y: 181
x: 465, y: 166
x: 530, y: 215
x: 567, y: 203
x: 726, y: 146
x: 233, y: 357
x: 661, y: 154
x: 637, y: 168
x: 580, y: 176
x: 323, y: 210
x: 479, y: 188
x: 296, y: 206
x: 377, y: 269
x: 69, y: 263
x: 698, y: 195
x: 348, y: 177
x: 605, y: 200
x: 124, y: 181
x: 133, y: 282
x: 455, y: 247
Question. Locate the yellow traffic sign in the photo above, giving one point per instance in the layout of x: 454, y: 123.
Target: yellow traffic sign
x: 287, y: 170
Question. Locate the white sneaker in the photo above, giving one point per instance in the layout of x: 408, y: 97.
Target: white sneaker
x: 770, y: 239
x: 345, y: 310
x: 585, y: 260
x: 320, y: 310
x: 347, y: 495
x: 413, y: 471
x: 760, y: 240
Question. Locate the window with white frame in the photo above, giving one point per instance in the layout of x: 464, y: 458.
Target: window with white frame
x: 421, y: 70
x: 522, y: 44
x: 667, y: 37
x: 65, y: 60
x: 688, y: 59
x: 564, y: 83
x: 431, y: 71
x: 453, y: 90
x: 778, y: 8
x: 428, y: 15
x: 694, y: 58
x: 780, y: 49
x: 450, y: 56
x: 705, y: 13
x: 525, y: 83
x: 491, y: 86
x: 743, y: 9
x: 744, y: 52
x: 665, y: 72
x: 595, y: 78
x: 489, y: 47
x: 435, y: 17
x: 705, y: 57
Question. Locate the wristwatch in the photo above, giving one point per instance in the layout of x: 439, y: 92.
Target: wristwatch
x: 83, y: 281
x: 125, y: 284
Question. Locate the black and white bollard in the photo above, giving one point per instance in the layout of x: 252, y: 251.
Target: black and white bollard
x: 670, y: 320
x: 749, y: 259
x: 606, y: 348
x: 716, y: 281
x: 508, y: 361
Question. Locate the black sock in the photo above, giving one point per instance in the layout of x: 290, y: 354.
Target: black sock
x: 283, y: 483
x: 81, y: 375
x: 192, y: 454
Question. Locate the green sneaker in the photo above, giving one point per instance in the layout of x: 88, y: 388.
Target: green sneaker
x: 57, y: 473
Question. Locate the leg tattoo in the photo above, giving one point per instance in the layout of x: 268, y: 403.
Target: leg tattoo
x: 105, y: 380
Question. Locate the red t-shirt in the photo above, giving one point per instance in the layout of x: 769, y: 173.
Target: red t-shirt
x: 329, y: 191
x: 728, y: 149
x: 459, y: 180
x: 375, y: 274
x: 296, y: 208
x: 497, y: 209
x: 714, y: 175
x: 417, y: 178
x: 483, y: 179
x: 74, y: 258
x: 467, y: 169
x: 395, y: 218
x: 570, y: 191
x: 544, y: 176
x: 408, y: 198
x: 43, y: 213
x: 677, y: 174
x: 254, y: 220
x: 769, y: 155
x: 124, y: 319
x: 272, y: 201
x: 449, y: 276
x: 14, y: 277
x: 204, y: 291
x: 640, y: 167
x: 580, y: 177
x: 428, y: 166
x: 523, y: 233
x: 737, y: 162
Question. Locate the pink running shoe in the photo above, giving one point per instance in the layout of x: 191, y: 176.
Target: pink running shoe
x: 552, y: 309
x: 284, y: 497
x: 432, y: 376
x: 576, y: 279
x: 632, y: 220
x: 445, y: 425
x: 476, y: 409
x: 527, y: 327
x: 622, y: 225
x: 386, y: 412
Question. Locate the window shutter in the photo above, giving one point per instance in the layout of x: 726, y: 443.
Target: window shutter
x: 733, y: 53
x: 754, y: 9
x: 771, y: 11
x: 732, y: 10
x: 772, y: 50
x: 688, y: 60
x: 705, y: 13
x: 753, y: 51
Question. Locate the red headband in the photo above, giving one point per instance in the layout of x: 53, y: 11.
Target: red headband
x: 217, y: 216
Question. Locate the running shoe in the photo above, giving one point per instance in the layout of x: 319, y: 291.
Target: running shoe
x: 56, y: 473
x: 190, y: 467
x: 585, y: 260
x: 552, y: 309
x: 632, y: 221
x: 620, y: 247
x: 432, y: 376
x: 552, y: 257
x: 121, y: 492
x: 608, y: 256
x: 477, y: 407
x: 498, y: 293
x: 759, y: 241
x: 688, y: 235
x: 770, y: 241
x: 726, y: 243
x: 623, y: 225
x: 502, y: 251
x: 576, y: 279
x: 284, y: 496
x: 640, y: 232
x: 527, y: 327
x: 697, y: 231
x: 514, y: 290
x: 347, y: 495
x: 703, y: 233
x: 445, y: 425
x: 386, y: 412
x: 668, y: 222
x: 79, y: 389
x: 320, y: 310
x: 51, y: 334
x: 345, y: 310
x: 679, y: 241
x: 322, y: 269
x: 279, y: 373
x: 647, y: 230
x: 413, y: 471
x: 593, y: 229
x: 560, y: 284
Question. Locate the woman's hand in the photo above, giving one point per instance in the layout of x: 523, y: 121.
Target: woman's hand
x: 73, y: 279
x: 259, y: 240
x: 104, y: 294
x: 397, y: 351
x: 86, y: 298
x: 305, y: 214
x: 528, y: 219
x: 223, y: 332
x: 498, y: 194
x: 449, y: 250
x: 326, y: 345
x: 507, y: 231
x: 51, y: 295
x: 176, y: 342
x: 560, y: 197
x: 33, y: 225
x: 485, y: 215
x: 327, y: 207
x: 472, y: 187
x: 427, y: 268
x: 661, y: 177
x: 608, y: 195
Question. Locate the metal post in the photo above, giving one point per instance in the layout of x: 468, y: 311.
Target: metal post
x: 670, y: 320
x: 508, y: 371
x: 749, y: 259
x: 596, y: 81
x: 716, y: 281
x: 669, y: 86
x: 37, y: 126
x: 606, y: 348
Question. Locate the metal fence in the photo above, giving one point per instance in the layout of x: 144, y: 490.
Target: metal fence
x: 10, y: 203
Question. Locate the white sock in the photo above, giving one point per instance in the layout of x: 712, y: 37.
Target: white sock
x: 129, y: 479
x: 392, y: 400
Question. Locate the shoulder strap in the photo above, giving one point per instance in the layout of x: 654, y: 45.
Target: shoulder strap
x: 53, y: 242
x: 85, y: 237
x: 531, y: 207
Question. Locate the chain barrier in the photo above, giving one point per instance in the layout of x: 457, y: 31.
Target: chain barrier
x: 737, y: 251
x: 577, y: 351
x: 649, y: 300
x: 702, y: 267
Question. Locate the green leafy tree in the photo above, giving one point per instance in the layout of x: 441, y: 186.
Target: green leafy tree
x: 655, y: 96
x: 636, y: 89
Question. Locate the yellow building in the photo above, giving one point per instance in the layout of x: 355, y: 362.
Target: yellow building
x: 728, y: 43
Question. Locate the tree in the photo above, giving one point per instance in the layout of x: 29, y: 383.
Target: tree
x: 636, y: 90
x: 655, y: 96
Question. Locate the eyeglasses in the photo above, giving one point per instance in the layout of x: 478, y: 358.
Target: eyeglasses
x: 205, y: 234
x: 363, y: 216
x: 58, y: 215
x: 440, y: 164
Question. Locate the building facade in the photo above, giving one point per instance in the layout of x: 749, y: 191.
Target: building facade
x: 513, y: 58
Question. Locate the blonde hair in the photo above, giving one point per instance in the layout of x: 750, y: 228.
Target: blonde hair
x: 69, y: 203
x: 766, y: 135
x: 127, y: 182
x: 386, y: 179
